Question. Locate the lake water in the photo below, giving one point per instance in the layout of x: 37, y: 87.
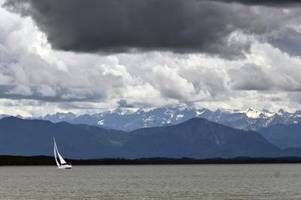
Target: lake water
x: 189, y: 182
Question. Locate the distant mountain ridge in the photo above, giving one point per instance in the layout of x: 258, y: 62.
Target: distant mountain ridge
x: 195, y: 138
x: 284, y: 136
x: 129, y: 119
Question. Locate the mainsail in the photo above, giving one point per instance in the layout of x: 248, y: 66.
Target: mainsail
x: 58, y: 157
x: 55, y: 153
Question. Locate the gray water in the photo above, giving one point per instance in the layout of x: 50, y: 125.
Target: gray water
x: 191, y: 182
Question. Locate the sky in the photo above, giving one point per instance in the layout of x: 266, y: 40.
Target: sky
x: 88, y: 56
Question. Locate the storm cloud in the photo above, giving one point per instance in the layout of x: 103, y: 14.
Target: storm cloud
x: 174, y: 25
x: 264, y: 2
x: 50, y: 60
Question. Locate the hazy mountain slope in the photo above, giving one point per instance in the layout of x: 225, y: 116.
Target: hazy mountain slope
x: 284, y: 136
x: 197, y: 138
x: 34, y: 137
x: 200, y: 138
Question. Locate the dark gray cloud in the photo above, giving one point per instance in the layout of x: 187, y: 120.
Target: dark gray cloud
x: 265, y: 2
x: 47, y: 94
x: 122, y: 25
x: 288, y: 40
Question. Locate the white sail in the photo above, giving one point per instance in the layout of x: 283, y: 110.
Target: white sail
x: 60, y: 162
x: 55, y: 153
x: 61, y: 158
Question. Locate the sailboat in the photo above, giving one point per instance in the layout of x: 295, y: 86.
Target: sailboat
x: 60, y: 162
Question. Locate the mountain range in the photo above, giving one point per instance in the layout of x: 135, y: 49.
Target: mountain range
x: 129, y: 119
x: 195, y: 138
x: 281, y: 128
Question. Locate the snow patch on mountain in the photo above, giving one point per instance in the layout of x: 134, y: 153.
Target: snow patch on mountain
x: 100, y: 122
x: 255, y: 114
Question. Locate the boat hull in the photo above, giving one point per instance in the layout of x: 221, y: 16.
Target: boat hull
x: 65, y: 167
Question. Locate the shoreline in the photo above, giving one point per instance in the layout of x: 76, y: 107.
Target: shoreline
x: 48, y: 160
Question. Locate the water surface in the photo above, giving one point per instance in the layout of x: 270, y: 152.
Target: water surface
x: 216, y: 182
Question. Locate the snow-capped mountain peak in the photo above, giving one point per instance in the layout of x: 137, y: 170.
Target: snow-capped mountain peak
x: 255, y: 114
